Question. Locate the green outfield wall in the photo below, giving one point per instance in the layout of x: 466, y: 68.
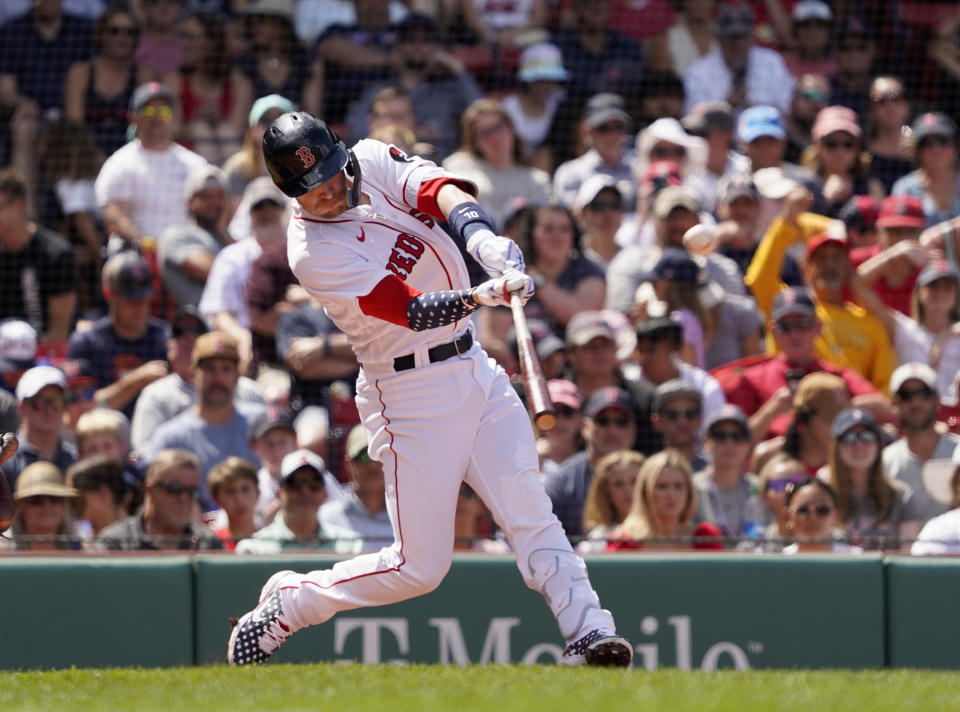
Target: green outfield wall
x: 691, y: 612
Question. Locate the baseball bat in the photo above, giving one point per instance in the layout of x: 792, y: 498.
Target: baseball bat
x: 534, y: 384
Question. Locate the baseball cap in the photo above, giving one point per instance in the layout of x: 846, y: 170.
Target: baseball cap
x: 659, y: 327
x: 301, y: 458
x: 356, y: 441
x: 564, y: 392
x: 187, y: 316
x: 708, y: 116
x: 850, y: 418
x: 734, y: 19
x: 608, y: 397
x: 908, y: 371
x: 145, y: 93
x: 542, y: 62
x: 669, y: 391
x: 263, y: 188
x: 18, y: 343
x: 586, y: 326
x: 940, y: 269
x: 933, y: 123
x: 203, y: 177
x: 215, y: 344
x: 822, y: 393
x: 761, y: 120
x: 592, y: 187
x: 269, y: 419
x: 548, y: 345
x: 835, y: 118
x: 938, y: 477
x: 807, y: 10
x: 825, y: 238
x: 128, y: 276
x: 676, y: 265
x: 737, y: 185
x: 415, y: 21
x: 37, y: 378
x: 855, y: 27
x: 774, y: 183
x: 860, y: 212
x: 78, y: 372
x: 671, y: 198
x: 728, y: 413
x: 793, y: 300
x: 603, y: 108
x: 901, y: 211
x: 42, y: 478
x: 268, y: 103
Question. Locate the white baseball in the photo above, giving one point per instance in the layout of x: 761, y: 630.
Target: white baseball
x: 700, y: 240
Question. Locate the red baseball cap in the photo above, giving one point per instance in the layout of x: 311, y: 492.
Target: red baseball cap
x: 901, y: 211
x: 818, y: 241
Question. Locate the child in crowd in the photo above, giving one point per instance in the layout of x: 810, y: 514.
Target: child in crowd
x: 233, y: 486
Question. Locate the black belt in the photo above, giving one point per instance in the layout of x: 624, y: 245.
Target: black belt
x: 437, y: 353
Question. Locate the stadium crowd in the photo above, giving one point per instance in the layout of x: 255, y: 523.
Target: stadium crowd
x: 741, y: 219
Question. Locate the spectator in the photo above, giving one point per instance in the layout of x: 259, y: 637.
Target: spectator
x: 712, y: 122
x: 471, y: 525
x: 391, y: 113
x: 296, y: 525
x: 606, y: 124
x: 106, y: 492
x: 160, y: 50
x: 40, y: 399
x: 609, y: 498
x: 913, y: 386
x: 98, y: 90
x: 779, y: 475
x: 42, y: 520
x: 140, y: 187
x: 886, y: 119
x: 18, y: 352
x: 666, y: 140
x: 849, y: 336
x: 440, y: 87
x: 359, y: 519
x: 272, y: 438
x: 677, y: 416
x: 936, y: 180
x: 659, y: 95
x: 247, y: 164
x: 850, y: 85
x: 37, y: 271
x: 215, y: 427
x: 875, y: 511
x: 859, y: 217
x: 812, y: 515
x: 691, y: 37
x: 941, y: 535
x: 811, y: 94
x: 674, y: 279
x: 271, y: 291
x: 210, y: 93
x: 812, y: 20
x: 81, y: 392
x: 313, y: 17
x: 563, y: 440
x: 837, y: 158
x: 166, y: 519
x: 233, y: 486
x: 186, y: 251
x: 661, y: 514
x: 599, y: 210
x: 105, y: 432
x: 728, y: 496
x: 505, y: 26
x: 491, y: 156
x: 126, y: 347
x: 609, y: 426
x: 739, y: 72
x: 174, y: 393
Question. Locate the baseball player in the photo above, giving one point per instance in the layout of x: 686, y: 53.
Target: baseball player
x: 366, y: 241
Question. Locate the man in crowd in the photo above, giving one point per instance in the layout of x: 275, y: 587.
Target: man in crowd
x: 713, y: 122
x: 678, y: 416
x: 810, y: 95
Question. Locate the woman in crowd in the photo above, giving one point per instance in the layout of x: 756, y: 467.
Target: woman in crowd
x: 212, y: 95
x: 491, y: 156
x: 779, y: 475
x: 837, y: 157
x: 42, y: 520
x: 666, y: 140
x: 247, y: 164
x: 609, y: 498
x: 871, y: 508
x: 812, y: 516
x: 106, y: 492
x: 97, y: 91
x: 886, y: 123
x: 936, y: 180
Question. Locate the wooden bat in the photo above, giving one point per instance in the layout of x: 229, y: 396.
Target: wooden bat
x: 535, y: 385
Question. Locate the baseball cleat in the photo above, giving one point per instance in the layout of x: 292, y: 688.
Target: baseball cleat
x: 259, y: 634
x: 601, y: 648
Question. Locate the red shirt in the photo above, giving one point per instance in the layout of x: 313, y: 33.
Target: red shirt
x: 894, y: 297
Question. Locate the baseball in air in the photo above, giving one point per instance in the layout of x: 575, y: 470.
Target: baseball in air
x: 700, y: 240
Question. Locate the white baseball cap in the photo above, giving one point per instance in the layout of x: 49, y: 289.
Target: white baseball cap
x: 18, y: 341
x: 301, y: 458
x: 938, y: 477
x: 38, y: 378
x: 920, y: 371
x: 807, y: 10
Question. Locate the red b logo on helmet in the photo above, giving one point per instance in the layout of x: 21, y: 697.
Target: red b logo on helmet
x: 306, y: 156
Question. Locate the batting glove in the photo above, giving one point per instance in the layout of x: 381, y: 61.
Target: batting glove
x: 496, y: 292
x: 495, y: 253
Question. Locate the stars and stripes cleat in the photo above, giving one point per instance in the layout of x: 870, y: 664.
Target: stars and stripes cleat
x: 601, y: 648
x: 260, y: 633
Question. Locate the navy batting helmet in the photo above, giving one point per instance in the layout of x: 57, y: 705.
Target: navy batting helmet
x: 301, y: 152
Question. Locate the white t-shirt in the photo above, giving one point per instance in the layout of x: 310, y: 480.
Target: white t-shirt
x: 532, y: 129
x: 941, y: 535
x: 913, y: 342
x: 226, y: 287
x: 77, y: 196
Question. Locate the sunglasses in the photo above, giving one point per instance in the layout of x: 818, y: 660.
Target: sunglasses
x: 314, y: 484
x: 668, y: 152
x: 820, y: 510
x: 39, y: 500
x: 853, y: 436
x: 606, y: 205
x: 55, y: 402
x: 117, y: 30
x: 782, y: 484
x: 153, y: 112
x: 832, y: 144
x: 816, y: 96
x: 928, y: 141
x: 736, y: 436
x: 79, y: 396
x: 686, y: 414
x: 564, y: 411
x: 175, y: 488
x: 785, y: 327
x: 605, y: 420
x: 921, y: 393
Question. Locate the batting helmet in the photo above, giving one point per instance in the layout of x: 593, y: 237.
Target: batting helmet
x: 301, y: 152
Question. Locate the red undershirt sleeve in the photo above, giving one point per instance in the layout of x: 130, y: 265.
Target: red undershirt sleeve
x: 389, y: 300
x: 427, y: 195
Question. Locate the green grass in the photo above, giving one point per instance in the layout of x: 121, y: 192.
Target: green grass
x: 425, y: 688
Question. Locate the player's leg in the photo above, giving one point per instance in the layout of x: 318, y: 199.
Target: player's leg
x: 504, y: 471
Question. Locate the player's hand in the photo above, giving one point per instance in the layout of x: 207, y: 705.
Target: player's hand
x: 496, y: 292
x: 497, y: 254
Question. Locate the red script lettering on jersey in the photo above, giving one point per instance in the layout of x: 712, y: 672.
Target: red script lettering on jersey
x: 406, y: 252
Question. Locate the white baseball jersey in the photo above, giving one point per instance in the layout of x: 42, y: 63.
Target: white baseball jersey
x: 342, y: 259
